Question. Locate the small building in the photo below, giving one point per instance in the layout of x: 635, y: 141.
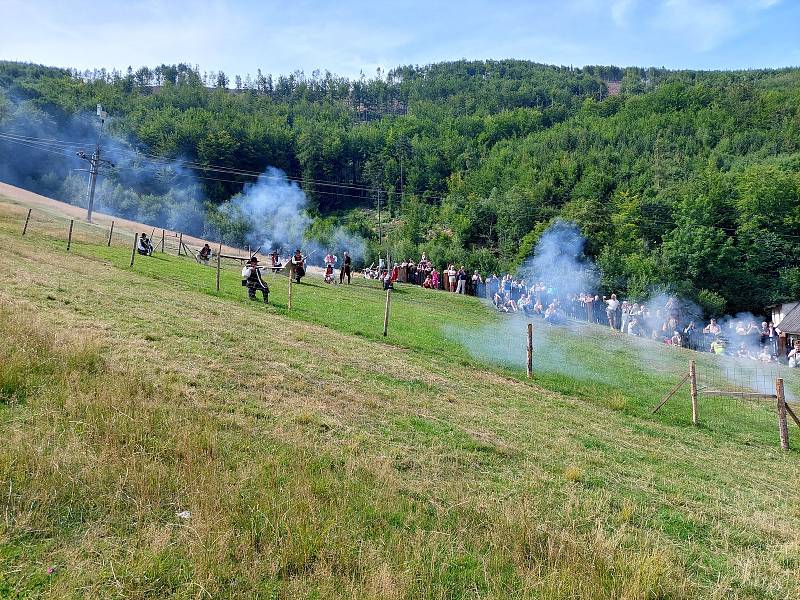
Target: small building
x: 786, y: 318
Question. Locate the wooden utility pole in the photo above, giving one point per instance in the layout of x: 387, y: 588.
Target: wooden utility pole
x: 529, y: 362
x: 69, y: 235
x: 28, y: 218
x: 693, y: 388
x: 110, y: 233
x: 135, y: 243
x: 386, y: 312
x: 783, y: 428
x: 219, y: 259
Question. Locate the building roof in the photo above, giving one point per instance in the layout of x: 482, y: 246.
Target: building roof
x: 791, y: 322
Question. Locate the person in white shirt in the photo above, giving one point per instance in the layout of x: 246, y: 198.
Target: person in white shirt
x: 251, y: 277
x: 612, y: 304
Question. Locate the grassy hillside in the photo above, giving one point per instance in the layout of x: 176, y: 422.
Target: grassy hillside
x: 319, y: 460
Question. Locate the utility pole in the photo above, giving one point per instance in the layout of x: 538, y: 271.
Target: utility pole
x: 94, y: 164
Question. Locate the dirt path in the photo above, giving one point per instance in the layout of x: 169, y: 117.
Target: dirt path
x: 70, y: 211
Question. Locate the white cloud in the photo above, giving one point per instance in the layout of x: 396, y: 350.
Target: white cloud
x: 702, y: 25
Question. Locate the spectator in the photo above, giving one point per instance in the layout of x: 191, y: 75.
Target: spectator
x: 612, y: 304
x: 794, y: 355
x: 461, y: 287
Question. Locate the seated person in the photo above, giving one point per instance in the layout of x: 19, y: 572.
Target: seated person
x: 143, y: 246
x: 525, y: 304
x: 551, y: 314
x: 205, y: 254
x: 428, y: 283
x: 718, y: 346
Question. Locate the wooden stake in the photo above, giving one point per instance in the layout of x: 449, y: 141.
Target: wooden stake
x: 28, y: 218
x: 529, y: 362
x: 693, y: 388
x: 783, y: 428
x: 386, y: 312
x: 219, y: 258
x: 69, y: 236
x: 162, y: 241
x: 291, y: 276
x: 110, y: 233
x: 180, y: 243
x: 135, y: 243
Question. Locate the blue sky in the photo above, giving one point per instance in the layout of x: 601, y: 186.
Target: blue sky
x: 349, y: 37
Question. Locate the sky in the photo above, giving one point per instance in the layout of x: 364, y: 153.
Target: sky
x: 348, y: 38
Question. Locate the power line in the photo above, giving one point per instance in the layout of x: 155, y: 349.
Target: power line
x: 47, y: 144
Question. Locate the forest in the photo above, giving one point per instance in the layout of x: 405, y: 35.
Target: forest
x: 681, y: 181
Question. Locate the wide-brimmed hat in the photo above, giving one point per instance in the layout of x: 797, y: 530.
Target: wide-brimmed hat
x: 253, y: 260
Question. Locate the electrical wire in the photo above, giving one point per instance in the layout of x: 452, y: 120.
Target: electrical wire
x: 51, y: 144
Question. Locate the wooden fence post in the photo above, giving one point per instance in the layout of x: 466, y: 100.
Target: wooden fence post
x: 589, y: 311
x: 219, y: 259
x: 291, y: 276
x: 135, y: 243
x: 180, y: 243
x: 69, y: 235
x: 110, y: 233
x: 693, y: 388
x: 783, y: 428
x: 386, y: 312
x: 28, y: 218
x: 529, y: 362
x: 162, y: 241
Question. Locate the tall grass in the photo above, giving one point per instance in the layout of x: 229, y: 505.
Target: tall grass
x: 96, y: 463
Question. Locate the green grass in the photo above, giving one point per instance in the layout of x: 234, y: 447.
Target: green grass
x: 320, y: 459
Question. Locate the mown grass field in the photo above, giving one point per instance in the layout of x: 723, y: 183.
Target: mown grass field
x: 320, y: 460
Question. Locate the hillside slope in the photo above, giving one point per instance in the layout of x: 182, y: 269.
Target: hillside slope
x: 318, y: 460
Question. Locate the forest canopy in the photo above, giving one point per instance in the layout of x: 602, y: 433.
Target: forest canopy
x: 687, y: 181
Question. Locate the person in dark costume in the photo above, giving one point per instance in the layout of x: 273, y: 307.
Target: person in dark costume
x: 277, y: 265
x: 345, y: 270
x: 251, y: 277
x: 298, y: 266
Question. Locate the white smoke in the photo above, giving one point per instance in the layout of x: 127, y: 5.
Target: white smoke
x: 274, y: 211
x: 559, y: 263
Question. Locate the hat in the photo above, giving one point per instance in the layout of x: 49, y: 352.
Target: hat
x: 252, y: 260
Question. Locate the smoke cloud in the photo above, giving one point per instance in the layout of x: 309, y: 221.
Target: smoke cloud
x: 559, y: 263
x: 273, y: 212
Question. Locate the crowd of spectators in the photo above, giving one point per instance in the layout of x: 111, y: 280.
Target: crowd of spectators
x: 668, y: 322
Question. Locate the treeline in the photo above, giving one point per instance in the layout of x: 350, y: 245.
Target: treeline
x: 687, y: 180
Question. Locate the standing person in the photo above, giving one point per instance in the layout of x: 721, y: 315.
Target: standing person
x: 794, y: 355
x: 345, y: 270
x: 435, y: 279
x: 251, y: 277
x: 477, y: 285
x: 276, y: 261
x: 298, y: 266
x: 461, y: 288
x: 612, y: 304
x: 451, y: 278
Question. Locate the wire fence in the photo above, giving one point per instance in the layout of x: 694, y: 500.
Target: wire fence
x: 724, y: 387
